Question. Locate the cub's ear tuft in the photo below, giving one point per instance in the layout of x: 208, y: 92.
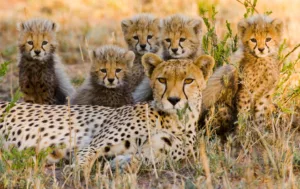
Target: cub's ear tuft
x: 206, y: 64
x: 242, y: 26
x: 54, y: 27
x: 278, y: 25
x: 94, y: 54
x: 196, y: 24
x: 20, y: 26
x: 129, y: 58
x: 158, y: 23
x: 125, y: 24
x: 150, y: 61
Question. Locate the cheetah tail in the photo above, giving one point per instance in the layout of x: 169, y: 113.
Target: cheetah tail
x: 221, y: 87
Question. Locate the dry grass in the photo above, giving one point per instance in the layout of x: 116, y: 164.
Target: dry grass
x: 251, y: 158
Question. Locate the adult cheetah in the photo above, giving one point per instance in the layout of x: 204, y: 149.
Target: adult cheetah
x: 100, y: 131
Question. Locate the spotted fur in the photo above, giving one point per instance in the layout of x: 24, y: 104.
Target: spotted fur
x: 41, y: 76
x: 259, y: 68
x: 181, y: 37
x: 142, y: 35
x: 102, y: 131
x: 107, y: 82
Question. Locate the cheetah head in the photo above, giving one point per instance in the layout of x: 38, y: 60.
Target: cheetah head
x: 181, y: 36
x: 177, y: 82
x: 142, y: 33
x: 37, y: 38
x: 111, y: 66
x: 260, y: 35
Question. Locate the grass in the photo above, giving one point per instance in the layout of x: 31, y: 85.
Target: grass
x: 251, y: 157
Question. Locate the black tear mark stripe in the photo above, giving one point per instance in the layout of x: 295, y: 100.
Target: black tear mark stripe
x: 180, y: 45
x: 267, y: 46
x: 148, y: 41
x: 43, y: 48
x: 255, y: 46
x: 137, y: 43
x: 166, y: 86
x: 183, y: 89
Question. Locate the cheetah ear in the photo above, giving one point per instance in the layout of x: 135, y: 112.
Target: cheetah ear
x: 20, y: 26
x: 54, y: 27
x: 278, y: 25
x: 242, y: 26
x: 129, y: 58
x: 206, y: 64
x: 125, y: 24
x: 150, y: 61
x: 196, y: 24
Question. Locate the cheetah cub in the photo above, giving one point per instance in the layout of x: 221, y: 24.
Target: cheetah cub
x: 259, y: 67
x: 142, y: 35
x: 41, y: 76
x: 181, y: 37
x: 107, y: 83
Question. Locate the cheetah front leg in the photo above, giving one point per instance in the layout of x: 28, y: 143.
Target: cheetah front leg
x: 263, y: 108
x: 101, y: 147
x: 244, y: 103
x: 162, y: 145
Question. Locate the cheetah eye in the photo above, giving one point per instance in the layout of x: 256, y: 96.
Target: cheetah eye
x: 136, y: 37
x: 268, y: 39
x: 168, y: 40
x: 188, y: 81
x: 30, y: 42
x: 103, y: 70
x: 253, y: 40
x: 149, y: 37
x: 182, y: 39
x: 162, y: 80
x: 45, y: 43
x: 118, y: 70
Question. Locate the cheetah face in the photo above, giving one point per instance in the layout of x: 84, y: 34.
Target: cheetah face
x: 261, y: 35
x: 181, y: 36
x: 111, y: 67
x: 176, y: 83
x: 37, y: 39
x: 142, y: 34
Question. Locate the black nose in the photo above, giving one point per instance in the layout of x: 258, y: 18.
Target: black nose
x: 175, y: 50
x: 173, y: 100
x: 143, y: 46
x: 111, y: 80
x: 37, y: 52
x: 261, y: 49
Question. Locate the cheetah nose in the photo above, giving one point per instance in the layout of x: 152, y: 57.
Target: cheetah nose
x: 175, y: 50
x: 37, y: 52
x: 173, y: 100
x: 261, y: 49
x: 143, y: 46
x: 110, y: 80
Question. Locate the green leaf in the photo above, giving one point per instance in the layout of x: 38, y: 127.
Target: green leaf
x: 4, y: 68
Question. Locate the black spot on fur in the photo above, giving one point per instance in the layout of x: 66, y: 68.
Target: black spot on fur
x: 106, y: 149
x: 127, y: 144
x: 166, y: 140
